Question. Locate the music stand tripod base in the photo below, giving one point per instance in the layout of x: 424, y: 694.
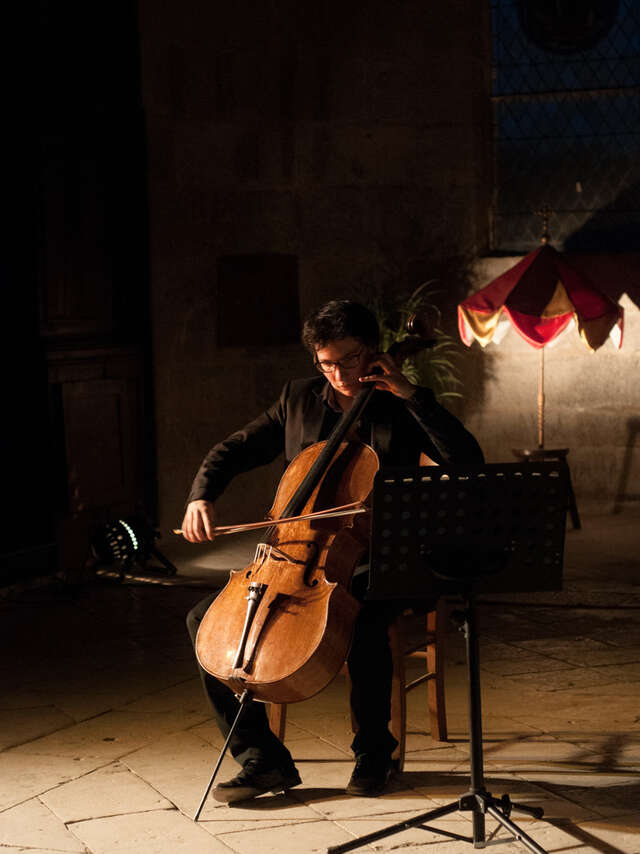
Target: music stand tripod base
x: 457, y: 530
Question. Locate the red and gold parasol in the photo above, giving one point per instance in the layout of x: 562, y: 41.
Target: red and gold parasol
x: 539, y: 297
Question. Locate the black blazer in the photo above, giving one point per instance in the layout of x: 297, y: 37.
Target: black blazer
x: 398, y: 430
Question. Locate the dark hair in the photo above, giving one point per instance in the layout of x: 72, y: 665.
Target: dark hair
x: 340, y: 318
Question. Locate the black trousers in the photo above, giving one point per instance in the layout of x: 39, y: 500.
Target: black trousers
x: 370, y: 670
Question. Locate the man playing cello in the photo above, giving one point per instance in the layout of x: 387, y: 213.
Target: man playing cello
x: 401, y: 421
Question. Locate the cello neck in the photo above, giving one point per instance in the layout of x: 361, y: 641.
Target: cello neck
x: 317, y: 470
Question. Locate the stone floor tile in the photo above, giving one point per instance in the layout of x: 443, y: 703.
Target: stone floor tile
x: 444, y: 786
x: 594, y: 741
x: 116, y: 687
x: 179, y: 656
x: 529, y: 768
x: 574, y: 777
x: 551, y: 746
x: 23, y: 776
x: 179, y: 766
x: 31, y: 825
x: 413, y: 839
x: 616, y: 750
x: 109, y: 736
x: 322, y: 779
x: 417, y: 739
x: 617, y: 799
x: 613, y: 836
x: 294, y: 732
x: 113, y: 790
x: 21, y: 850
x: 602, y: 741
x: 618, y: 635
x: 525, y: 662
x: 217, y: 824
x: 305, y: 838
x: 620, y: 673
x: 208, y: 731
x: 585, y: 716
x: 335, y: 729
x: 554, y: 804
x: 332, y: 701
x: 82, y: 705
x: 457, y: 728
x: 314, y: 749
x: 21, y: 725
x: 528, y: 702
x: 147, y: 833
x: 435, y: 760
x: 494, y: 726
x: 294, y: 805
x: 77, y: 674
x: 541, y: 748
x: 186, y: 696
x: 552, y: 833
x: 563, y: 680
x: 441, y: 787
x: 614, y: 692
x: 586, y: 652
x: 397, y: 801
x: 495, y: 651
x: 15, y: 698
x: 284, y: 808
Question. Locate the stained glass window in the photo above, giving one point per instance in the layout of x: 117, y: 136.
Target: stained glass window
x: 566, y: 107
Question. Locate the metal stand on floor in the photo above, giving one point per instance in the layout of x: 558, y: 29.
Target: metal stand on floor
x: 453, y: 529
x: 125, y: 546
x: 477, y: 800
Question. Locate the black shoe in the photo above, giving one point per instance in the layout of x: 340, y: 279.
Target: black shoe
x: 370, y: 776
x: 255, y: 779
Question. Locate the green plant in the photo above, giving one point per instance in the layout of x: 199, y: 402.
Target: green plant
x: 435, y: 367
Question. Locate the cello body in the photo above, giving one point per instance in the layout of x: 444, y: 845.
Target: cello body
x: 282, y: 626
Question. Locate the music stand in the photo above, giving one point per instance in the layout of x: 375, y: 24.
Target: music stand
x: 461, y: 531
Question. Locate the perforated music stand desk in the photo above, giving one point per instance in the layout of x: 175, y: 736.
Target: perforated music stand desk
x: 464, y: 530
x: 462, y: 515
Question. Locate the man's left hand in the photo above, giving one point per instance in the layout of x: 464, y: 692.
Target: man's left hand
x: 391, y: 379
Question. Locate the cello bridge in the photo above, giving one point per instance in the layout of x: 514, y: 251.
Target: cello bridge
x: 264, y: 551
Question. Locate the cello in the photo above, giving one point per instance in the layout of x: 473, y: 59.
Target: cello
x: 281, y: 628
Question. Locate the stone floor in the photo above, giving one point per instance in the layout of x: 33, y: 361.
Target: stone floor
x: 107, y: 745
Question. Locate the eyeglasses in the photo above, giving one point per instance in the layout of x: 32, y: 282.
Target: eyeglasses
x: 351, y: 360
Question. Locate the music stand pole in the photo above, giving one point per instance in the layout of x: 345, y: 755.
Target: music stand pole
x: 467, y: 624
x: 477, y: 800
x: 494, y: 498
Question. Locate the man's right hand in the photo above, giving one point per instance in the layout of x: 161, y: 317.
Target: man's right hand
x: 199, y: 521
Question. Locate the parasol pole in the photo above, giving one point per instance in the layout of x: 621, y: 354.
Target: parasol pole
x: 541, y: 401
x: 544, y: 213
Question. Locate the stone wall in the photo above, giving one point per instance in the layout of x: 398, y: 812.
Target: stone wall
x: 353, y: 136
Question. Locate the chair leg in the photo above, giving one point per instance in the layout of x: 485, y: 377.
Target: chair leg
x: 436, y: 628
x: 398, y: 723
x: 278, y: 719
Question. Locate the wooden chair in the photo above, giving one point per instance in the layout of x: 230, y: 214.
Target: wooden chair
x: 408, y: 636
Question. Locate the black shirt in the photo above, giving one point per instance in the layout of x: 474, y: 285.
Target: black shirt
x: 398, y: 430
